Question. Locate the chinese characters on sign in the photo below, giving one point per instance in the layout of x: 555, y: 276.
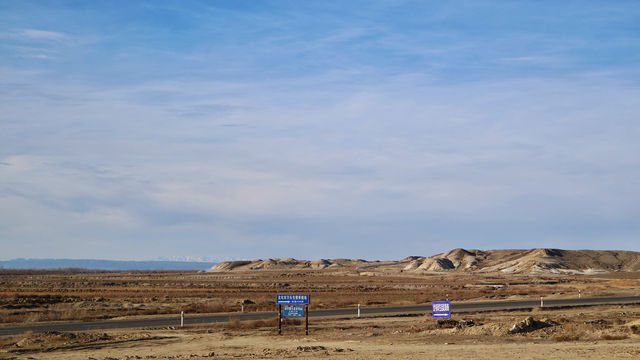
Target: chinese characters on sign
x: 293, y: 305
x: 293, y: 311
x: 292, y: 299
x: 441, y: 308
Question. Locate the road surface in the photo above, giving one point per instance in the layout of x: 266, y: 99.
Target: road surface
x: 165, y: 321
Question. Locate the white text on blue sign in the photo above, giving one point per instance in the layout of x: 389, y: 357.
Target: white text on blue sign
x: 293, y: 311
x: 441, y: 308
x: 292, y: 298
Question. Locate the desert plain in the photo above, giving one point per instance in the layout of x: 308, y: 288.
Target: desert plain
x: 586, y: 332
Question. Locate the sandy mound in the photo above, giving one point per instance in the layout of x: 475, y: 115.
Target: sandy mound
x: 487, y: 261
x: 437, y: 264
x: 530, y: 261
x: 319, y: 263
x: 283, y: 264
x: 228, y: 265
x: 456, y: 259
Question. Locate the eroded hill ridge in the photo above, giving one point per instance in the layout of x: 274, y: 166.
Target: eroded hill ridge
x: 463, y: 260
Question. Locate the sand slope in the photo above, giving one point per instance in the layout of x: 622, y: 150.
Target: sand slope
x: 473, y: 260
x: 533, y: 261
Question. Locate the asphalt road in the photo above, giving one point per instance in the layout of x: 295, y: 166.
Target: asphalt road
x: 165, y: 321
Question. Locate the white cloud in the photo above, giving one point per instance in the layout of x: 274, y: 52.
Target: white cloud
x: 531, y: 59
x: 404, y: 157
x: 36, y: 34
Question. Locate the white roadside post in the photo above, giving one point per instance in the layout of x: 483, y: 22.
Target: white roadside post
x: 579, y: 294
x: 358, y: 310
x: 541, y: 302
x: 181, y: 318
x: 242, y: 309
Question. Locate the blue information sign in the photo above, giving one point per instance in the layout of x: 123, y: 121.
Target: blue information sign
x: 292, y: 298
x: 441, y: 308
x: 293, y: 311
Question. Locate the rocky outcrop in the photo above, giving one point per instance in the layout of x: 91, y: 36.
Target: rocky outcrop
x: 529, y: 324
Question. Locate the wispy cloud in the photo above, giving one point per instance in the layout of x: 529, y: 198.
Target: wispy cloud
x: 245, y: 132
x: 530, y: 59
x: 36, y: 34
x: 36, y: 44
x: 400, y: 150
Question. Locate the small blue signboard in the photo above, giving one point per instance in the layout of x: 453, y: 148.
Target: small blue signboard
x: 293, y: 311
x: 441, y: 309
x: 292, y: 299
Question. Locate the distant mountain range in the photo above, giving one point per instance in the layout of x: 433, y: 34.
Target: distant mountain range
x: 104, y: 264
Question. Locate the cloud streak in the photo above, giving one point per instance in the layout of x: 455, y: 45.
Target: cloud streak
x: 36, y: 34
x: 342, y: 136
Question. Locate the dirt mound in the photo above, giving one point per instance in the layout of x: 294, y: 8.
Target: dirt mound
x: 456, y: 259
x: 283, y: 264
x: 530, y: 261
x: 320, y: 264
x: 437, y: 264
x: 228, y: 265
x: 413, y: 264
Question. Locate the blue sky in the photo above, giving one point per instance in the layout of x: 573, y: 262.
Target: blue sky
x: 372, y: 129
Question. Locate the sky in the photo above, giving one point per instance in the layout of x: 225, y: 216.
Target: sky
x: 317, y: 129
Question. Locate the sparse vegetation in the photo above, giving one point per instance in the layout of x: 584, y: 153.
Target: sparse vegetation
x: 477, y: 337
x: 614, y: 337
x: 31, y: 296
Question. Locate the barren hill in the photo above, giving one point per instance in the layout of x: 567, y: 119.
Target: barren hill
x: 461, y: 260
x: 530, y: 261
x: 284, y: 264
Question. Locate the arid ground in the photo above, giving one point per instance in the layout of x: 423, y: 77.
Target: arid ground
x: 584, y: 332
x: 604, y: 332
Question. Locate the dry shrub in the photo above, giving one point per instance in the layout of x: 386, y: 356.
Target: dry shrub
x: 446, y: 323
x: 570, y: 332
x: 614, y: 337
x: 233, y: 324
x: 207, y: 307
x: 264, y: 306
x: 53, y: 313
x: 20, y: 317
x: 635, y: 329
x: 292, y: 321
x: 215, y: 306
x: 33, y: 317
x: 254, y: 324
x: 342, y: 303
x: 63, y: 311
x: 567, y: 337
x: 11, y: 340
x: 430, y: 325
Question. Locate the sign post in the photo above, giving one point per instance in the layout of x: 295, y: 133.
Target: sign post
x: 293, y: 305
x: 279, y: 319
x: 441, y: 309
